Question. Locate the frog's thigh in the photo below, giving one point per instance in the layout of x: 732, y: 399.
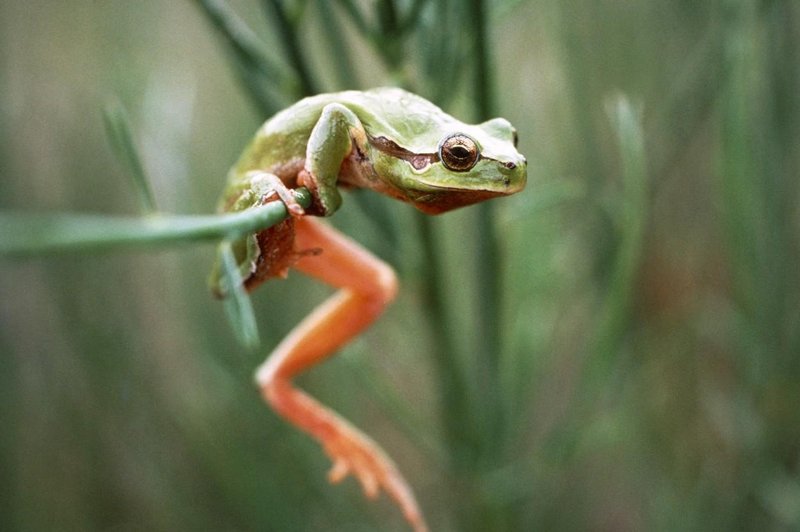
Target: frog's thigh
x: 331, y: 141
x: 367, y: 285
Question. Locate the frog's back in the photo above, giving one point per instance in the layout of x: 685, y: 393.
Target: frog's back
x: 407, y: 119
x: 391, y: 112
x: 282, y: 138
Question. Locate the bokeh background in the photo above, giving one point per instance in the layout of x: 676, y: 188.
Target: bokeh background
x: 626, y: 355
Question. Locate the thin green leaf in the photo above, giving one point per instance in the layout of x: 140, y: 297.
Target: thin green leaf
x: 383, y: 393
x: 456, y: 393
x: 409, y: 19
x: 30, y: 234
x: 288, y: 30
x: 626, y: 122
x: 483, y: 76
x: 444, y: 54
x: 339, y: 50
x: 375, y: 210
x: 262, y: 77
x: 387, y: 16
x: 548, y: 195
x: 119, y: 134
x: 238, y: 307
x: 358, y: 19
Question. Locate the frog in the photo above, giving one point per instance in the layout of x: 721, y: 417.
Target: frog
x: 386, y: 140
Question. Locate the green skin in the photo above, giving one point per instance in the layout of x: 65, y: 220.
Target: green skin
x: 385, y: 139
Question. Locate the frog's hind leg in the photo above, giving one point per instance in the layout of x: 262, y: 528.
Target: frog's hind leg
x: 367, y: 285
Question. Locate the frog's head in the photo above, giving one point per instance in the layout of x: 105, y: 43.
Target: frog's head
x: 469, y: 164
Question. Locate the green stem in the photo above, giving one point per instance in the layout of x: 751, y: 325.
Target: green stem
x: 484, y: 93
x: 488, y: 251
x: 357, y: 18
x: 262, y: 78
x: 346, y: 76
x: 488, y: 246
x: 615, y: 311
x: 389, y: 40
x: 411, y: 16
x: 237, y: 304
x: 288, y: 33
x: 26, y: 234
x: 119, y: 134
x: 387, y: 16
x: 487, y: 514
x: 453, y: 388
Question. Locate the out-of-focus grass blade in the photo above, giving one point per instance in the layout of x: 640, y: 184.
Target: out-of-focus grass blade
x: 287, y: 27
x: 358, y: 19
x: 742, y: 183
x: 340, y: 51
x: 119, y: 134
x: 443, y: 53
x: 548, y: 195
x: 626, y: 122
x: 375, y: 210
x: 412, y: 15
x: 24, y: 234
x: 237, y: 304
x: 263, y: 78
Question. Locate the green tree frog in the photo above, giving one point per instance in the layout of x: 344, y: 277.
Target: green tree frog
x: 387, y: 140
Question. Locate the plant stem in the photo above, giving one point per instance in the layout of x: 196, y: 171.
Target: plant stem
x: 119, y: 134
x: 238, y: 307
x: 487, y: 514
x: 262, y: 78
x: 339, y: 51
x: 615, y: 310
x: 288, y: 33
x: 26, y: 234
x: 484, y: 93
x: 488, y: 288
x: 453, y: 388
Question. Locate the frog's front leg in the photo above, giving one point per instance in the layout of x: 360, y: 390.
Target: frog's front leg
x: 367, y: 285
x: 332, y: 140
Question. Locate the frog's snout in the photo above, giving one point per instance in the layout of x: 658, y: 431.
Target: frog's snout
x: 520, y: 161
x: 515, y: 174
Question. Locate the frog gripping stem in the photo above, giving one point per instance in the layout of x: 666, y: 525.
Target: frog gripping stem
x: 394, y: 143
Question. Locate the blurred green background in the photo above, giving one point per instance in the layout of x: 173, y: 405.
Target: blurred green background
x: 615, y: 348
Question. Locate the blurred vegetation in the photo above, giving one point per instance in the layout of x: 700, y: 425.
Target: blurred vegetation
x: 616, y: 348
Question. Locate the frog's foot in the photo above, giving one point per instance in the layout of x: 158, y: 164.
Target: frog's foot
x: 272, y: 185
x: 324, y: 200
x: 351, y: 451
x: 354, y: 453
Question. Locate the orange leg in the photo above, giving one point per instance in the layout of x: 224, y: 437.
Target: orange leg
x: 367, y: 286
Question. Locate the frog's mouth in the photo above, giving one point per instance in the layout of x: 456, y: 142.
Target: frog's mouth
x: 447, y: 199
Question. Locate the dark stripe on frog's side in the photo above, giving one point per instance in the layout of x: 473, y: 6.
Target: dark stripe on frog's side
x: 417, y: 160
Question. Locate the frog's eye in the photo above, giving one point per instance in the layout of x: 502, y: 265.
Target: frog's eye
x: 458, y: 152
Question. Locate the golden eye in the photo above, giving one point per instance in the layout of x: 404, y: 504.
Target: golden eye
x: 458, y: 152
